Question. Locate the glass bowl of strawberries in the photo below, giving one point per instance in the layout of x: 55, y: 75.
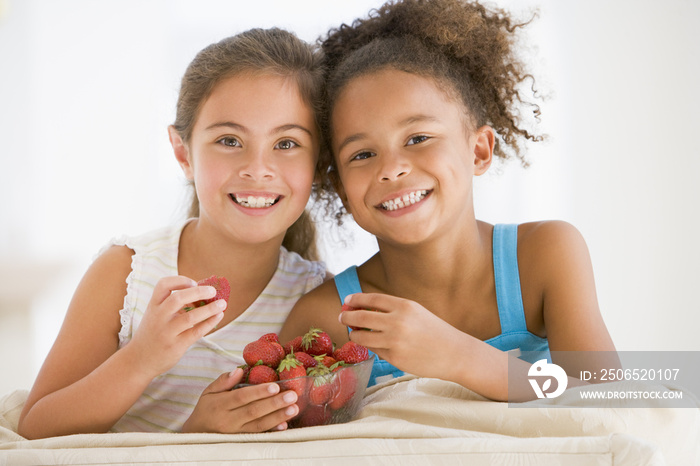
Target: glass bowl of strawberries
x: 330, y: 382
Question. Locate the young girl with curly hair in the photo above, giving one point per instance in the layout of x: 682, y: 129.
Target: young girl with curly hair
x: 421, y: 96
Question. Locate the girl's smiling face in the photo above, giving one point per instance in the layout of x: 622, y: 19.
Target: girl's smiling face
x: 405, y: 156
x: 252, y: 156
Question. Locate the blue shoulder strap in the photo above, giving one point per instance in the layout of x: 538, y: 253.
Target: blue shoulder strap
x: 505, y: 264
x: 347, y: 282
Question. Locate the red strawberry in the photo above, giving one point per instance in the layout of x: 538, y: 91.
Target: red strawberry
x: 271, y: 337
x: 261, y: 350
x: 262, y: 374
x: 223, y: 289
x: 321, y: 389
x: 293, y: 346
x: 293, y: 373
x: 345, y: 385
x: 351, y: 353
x: 317, y: 342
x: 313, y: 416
x: 280, y: 351
x: 246, y: 371
x: 306, y: 359
x: 325, y: 360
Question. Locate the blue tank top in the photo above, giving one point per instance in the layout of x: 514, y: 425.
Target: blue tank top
x: 514, y: 334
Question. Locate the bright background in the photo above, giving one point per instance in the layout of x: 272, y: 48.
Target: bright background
x: 87, y: 89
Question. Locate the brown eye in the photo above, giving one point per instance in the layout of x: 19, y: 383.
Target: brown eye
x: 229, y: 142
x: 363, y: 155
x: 416, y: 140
x: 286, y: 144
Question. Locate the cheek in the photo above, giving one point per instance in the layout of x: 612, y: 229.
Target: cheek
x: 300, y: 174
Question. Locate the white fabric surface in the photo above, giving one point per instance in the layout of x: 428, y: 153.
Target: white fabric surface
x: 405, y: 421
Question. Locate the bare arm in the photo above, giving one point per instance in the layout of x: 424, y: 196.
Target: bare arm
x: 565, y: 277
x: 86, y: 384
x: 557, y: 279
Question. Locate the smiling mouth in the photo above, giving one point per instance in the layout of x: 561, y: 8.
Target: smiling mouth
x: 406, y: 200
x: 255, y: 202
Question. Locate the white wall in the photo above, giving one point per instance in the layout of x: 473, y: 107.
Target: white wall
x: 87, y: 89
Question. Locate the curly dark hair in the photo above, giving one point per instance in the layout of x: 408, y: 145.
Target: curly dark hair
x: 467, y: 49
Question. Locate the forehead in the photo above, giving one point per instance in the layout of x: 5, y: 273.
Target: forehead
x: 391, y: 94
x: 256, y: 99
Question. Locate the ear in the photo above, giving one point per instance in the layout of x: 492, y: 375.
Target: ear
x: 182, y: 153
x: 483, y: 149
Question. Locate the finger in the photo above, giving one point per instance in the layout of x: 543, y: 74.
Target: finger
x: 225, y: 382
x: 270, y: 413
x: 187, y: 319
x: 185, y: 297
x: 165, y: 286
x: 363, y: 319
x: 373, y: 340
x: 200, y: 328
x: 374, y: 301
x: 251, y: 393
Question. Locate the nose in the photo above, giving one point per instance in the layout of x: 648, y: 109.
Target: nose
x: 394, y: 166
x: 257, y: 165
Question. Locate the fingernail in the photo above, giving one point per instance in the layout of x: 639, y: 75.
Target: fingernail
x: 221, y: 304
x: 347, y: 299
x: 292, y: 410
x: 273, y: 388
x: 281, y: 426
x: 290, y: 397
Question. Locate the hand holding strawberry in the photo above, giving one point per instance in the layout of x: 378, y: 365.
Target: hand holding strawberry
x: 167, y: 330
x: 404, y: 333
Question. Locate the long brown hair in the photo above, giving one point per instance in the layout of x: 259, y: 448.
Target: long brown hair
x: 267, y: 51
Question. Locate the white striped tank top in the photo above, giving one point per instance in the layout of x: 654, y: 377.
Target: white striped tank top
x: 170, y: 398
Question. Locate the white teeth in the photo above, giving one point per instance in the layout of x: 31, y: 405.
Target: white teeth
x: 255, y: 202
x: 405, y: 201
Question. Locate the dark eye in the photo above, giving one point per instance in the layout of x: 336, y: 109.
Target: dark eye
x: 417, y: 140
x: 362, y: 156
x: 229, y: 142
x: 286, y: 144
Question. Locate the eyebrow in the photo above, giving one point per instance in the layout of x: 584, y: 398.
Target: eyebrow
x: 405, y: 122
x: 236, y: 126
x: 351, y: 139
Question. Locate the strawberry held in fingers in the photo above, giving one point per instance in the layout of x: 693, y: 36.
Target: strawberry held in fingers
x: 220, y: 284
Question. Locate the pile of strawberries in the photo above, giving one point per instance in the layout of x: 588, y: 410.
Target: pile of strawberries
x: 324, y: 378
